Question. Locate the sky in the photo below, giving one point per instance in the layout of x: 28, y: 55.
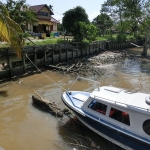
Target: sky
x: 92, y: 7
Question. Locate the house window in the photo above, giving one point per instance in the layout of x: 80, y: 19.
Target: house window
x: 146, y: 126
x: 42, y: 13
x: 120, y: 116
x: 99, y: 107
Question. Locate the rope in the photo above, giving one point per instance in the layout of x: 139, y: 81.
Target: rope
x: 44, y: 73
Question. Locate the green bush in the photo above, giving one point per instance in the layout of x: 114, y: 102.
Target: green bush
x: 111, y: 39
x: 140, y: 37
x: 60, y: 41
x: 121, y: 38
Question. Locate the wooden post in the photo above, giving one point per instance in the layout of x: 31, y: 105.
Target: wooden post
x: 66, y: 54
x: 35, y: 55
x: 86, y: 51
x: 98, y: 49
x: 72, y: 52
x: 81, y: 51
x: 93, y: 48
x: 60, y: 55
x: 23, y: 61
x: 53, y: 56
x: 45, y: 56
x: 77, y: 51
x: 107, y: 45
x: 89, y: 50
x: 10, y: 64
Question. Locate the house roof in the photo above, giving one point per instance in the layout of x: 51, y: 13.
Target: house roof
x: 37, y: 8
x: 54, y: 20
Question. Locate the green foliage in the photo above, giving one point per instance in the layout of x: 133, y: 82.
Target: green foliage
x: 103, y: 22
x: 9, y: 30
x: 20, y: 12
x: 61, y: 41
x: 121, y: 38
x: 23, y: 35
x: 71, y: 22
x: 60, y: 27
x: 111, y: 38
x: 129, y: 15
x: 88, y: 31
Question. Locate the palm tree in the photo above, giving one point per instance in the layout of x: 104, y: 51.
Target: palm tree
x: 9, y: 30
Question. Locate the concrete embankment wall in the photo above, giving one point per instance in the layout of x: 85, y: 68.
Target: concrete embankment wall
x: 41, y: 55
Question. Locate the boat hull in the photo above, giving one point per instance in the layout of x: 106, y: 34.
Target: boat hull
x: 112, y: 135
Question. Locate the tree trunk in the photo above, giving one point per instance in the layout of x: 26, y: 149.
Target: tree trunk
x: 147, y: 43
x: 145, y: 48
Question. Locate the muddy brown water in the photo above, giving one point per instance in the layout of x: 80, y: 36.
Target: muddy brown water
x: 24, y: 126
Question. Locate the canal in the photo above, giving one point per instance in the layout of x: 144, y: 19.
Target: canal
x: 24, y: 126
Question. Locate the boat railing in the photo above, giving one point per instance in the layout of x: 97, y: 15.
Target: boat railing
x: 86, y: 80
x: 116, y: 102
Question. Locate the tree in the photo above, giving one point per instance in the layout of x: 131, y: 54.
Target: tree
x: 71, y: 21
x: 60, y: 27
x: 88, y: 31
x: 20, y: 12
x: 103, y: 22
x: 9, y: 30
x: 115, y: 9
x: 132, y: 13
x: 138, y: 11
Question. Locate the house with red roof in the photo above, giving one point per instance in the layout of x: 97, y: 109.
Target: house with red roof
x: 45, y: 22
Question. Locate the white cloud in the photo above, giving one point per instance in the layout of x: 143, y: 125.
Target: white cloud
x: 93, y: 15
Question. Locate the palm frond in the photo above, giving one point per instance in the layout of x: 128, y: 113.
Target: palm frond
x: 9, y: 30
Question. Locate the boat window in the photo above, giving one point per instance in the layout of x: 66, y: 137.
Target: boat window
x: 146, y: 126
x: 99, y: 107
x: 120, y: 116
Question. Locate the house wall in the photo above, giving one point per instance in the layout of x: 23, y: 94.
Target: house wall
x: 49, y: 28
x: 30, y: 27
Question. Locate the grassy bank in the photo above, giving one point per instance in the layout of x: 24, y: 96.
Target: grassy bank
x: 60, y: 39
x: 36, y: 41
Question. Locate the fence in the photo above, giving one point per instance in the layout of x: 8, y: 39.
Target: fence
x: 43, y: 55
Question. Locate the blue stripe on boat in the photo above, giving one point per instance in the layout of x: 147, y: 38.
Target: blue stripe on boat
x: 124, y: 130
x: 117, y: 127
x: 97, y: 118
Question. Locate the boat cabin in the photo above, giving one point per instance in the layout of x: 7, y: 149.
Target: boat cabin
x: 121, y: 110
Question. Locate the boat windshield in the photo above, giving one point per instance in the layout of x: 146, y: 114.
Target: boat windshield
x: 98, y: 107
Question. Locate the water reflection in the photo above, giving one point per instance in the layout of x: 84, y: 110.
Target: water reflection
x: 135, y: 67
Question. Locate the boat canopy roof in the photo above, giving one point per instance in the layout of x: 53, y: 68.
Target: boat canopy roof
x: 122, y: 97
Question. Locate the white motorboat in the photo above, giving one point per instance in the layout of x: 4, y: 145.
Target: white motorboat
x: 119, y: 115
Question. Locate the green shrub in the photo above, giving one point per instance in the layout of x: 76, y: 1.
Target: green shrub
x: 121, y: 38
x: 111, y: 39
x: 60, y: 41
